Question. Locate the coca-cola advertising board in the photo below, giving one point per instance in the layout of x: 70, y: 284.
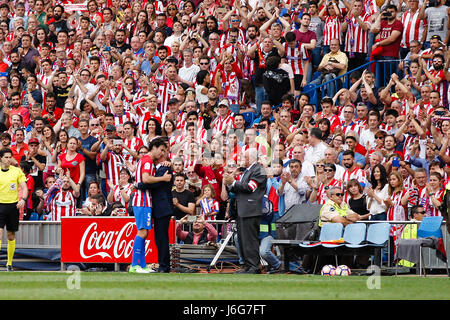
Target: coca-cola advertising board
x: 104, y: 240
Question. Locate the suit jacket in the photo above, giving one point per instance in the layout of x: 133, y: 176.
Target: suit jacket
x: 249, y: 201
x: 162, y: 201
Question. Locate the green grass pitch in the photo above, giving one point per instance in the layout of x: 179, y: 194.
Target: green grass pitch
x: 121, y: 285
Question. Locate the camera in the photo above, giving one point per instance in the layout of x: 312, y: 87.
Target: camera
x: 260, y: 126
x: 192, y: 218
x: 440, y: 113
x: 386, y: 15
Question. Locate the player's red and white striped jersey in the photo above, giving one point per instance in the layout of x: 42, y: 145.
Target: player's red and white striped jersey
x: 167, y: 91
x: 322, y: 192
x: 295, y: 56
x: 357, y: 173
x: 63, y: 204
x: 114, y: 163
x: 143, y: 198
x: 356, y: 39
x: 413, y: 28
x: 332, y: 30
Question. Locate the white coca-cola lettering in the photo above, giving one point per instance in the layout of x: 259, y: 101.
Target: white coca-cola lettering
x: 122, y: 247
x: 120, y: 242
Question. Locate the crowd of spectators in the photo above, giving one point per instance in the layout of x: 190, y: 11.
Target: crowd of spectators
x: 86, y: 87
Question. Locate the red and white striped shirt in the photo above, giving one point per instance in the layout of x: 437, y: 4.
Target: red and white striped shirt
x: 209, y: 206
x: 120, y: 120
x: 397, y: 212
x: 62, y: 205
x: 350, y: 127
x: 334, y: 120
x: 322, y: 192
x: 143, y: 198
x: 295, y: 56
x: 133, y: 144
x: 357, y: 39
x: 413, y: 28
x: 224, y: 124
x: 442, y: 86
x: 370, y: 7
x: 332, y: 30
x: 357, y: 173
x: 432, y: 210
x: 230, y: 82
x: 114, y: 163
x: 167, y: 91
x: 117, y: 195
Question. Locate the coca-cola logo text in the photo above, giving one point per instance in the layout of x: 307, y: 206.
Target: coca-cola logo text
x: 114, y: 244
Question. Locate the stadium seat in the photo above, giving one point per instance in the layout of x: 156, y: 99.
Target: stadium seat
x: 34, y: 216
x: 378, y: 234
x: 316, y: 75
x: 310, y: 89
x: 354, y: 234
x: 330, y: 231
x: 430, y: 226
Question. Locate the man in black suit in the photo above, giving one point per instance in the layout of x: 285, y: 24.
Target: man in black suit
x: 249, y: 190
x: 162, y: 210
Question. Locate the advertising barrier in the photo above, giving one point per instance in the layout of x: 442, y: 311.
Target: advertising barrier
x: 104, y: 240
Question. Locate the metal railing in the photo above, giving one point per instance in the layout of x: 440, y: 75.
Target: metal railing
x: 383, y: 69
x: 47, y: 235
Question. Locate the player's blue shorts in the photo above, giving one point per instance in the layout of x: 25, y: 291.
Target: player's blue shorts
x: 143, y: 216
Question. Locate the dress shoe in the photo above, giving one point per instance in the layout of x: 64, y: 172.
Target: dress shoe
x: 163, y: 271
x: 275, y: 270
x: 254, y: 271
x: 241, y: 271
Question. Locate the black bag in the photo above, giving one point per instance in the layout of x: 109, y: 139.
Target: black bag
x: 130, y: 206
x: 232, y: 210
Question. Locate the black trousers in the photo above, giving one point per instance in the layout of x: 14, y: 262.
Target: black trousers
x: 161, y: 229
x: 357, y: 59
x: 248, y: 231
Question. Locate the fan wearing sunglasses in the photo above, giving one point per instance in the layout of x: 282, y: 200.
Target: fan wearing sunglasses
x: 335, y: 210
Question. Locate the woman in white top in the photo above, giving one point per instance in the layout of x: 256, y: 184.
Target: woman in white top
x: 201, y: 87
x: 377, y: 193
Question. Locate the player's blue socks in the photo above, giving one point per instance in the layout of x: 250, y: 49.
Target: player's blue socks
x: 139, y: 252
